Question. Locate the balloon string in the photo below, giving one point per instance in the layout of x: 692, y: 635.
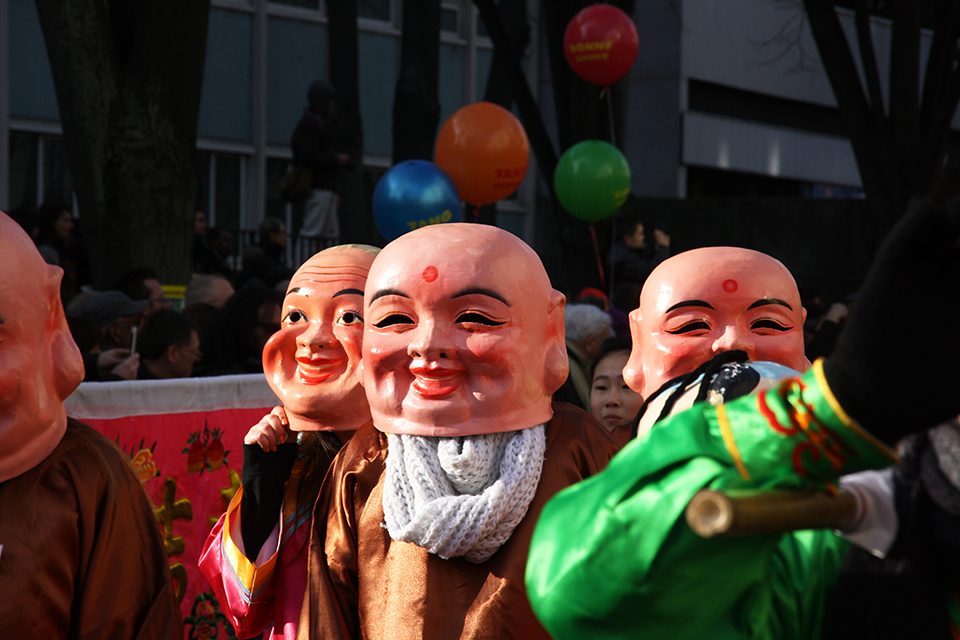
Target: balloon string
x: 596, y: 252
x: 609, y: 96
x: 613, y: 270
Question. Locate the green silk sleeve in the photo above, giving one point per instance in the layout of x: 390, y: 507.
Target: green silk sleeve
x: 613, y: 557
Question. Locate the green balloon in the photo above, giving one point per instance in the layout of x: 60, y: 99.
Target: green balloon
x: 592, y: 180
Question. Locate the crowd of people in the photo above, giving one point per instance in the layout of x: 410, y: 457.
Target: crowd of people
x: 460, y: 451
x: 132, y: 330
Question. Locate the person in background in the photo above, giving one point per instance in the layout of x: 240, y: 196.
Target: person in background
x: 143, y: 283
x: 208, y: 288
x: 314, y: 146
x: 586, y: 327
x: 633, y: 256
x: 81, y: 555
x: 241, y: 330
x: 57, y: 242
x: 199, y: 238
x: 612, y: 402
x: 592, y: 295
x: 255, y: 559
x: 210, y: 255
x: 169, y: 346
x: 114, y: 313
x: 206, y: 294
x: 267, y: 262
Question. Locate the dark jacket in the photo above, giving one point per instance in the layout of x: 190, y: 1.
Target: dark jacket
x: 313, y: 147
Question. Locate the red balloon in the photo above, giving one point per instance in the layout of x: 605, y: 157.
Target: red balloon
x: 601, y: 44
x: 484, y: 148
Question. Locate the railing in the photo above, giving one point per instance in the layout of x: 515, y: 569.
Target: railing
x: 298, y: 248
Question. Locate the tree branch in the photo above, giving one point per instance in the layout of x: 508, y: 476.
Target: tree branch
x: 940, y: 64
x: 526, y: 104
x: 879, y: 180
x: 905, y: 88
x: 868, y: 58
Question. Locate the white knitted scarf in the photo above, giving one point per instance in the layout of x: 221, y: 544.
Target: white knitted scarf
x: 461, y: 496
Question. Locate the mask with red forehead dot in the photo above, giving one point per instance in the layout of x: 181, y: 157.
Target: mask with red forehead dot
x: 463, y: 335
x: 709, y: 300
x: 311, y: 363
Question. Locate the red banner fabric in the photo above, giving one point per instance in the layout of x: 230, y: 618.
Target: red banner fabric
x: 185, y: 442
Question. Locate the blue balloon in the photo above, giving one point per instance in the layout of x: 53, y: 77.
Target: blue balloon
x: 413, y: 194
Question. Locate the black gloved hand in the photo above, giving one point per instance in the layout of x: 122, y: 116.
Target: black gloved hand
x: 896, y: 368
x: 264, y: 475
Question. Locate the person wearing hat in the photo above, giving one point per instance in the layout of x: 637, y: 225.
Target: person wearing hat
x: 114, y: 312
x: 115, y: 315
x: 314, y: 146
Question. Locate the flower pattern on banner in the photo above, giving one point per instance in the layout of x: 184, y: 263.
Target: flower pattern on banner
x: 190, y: 486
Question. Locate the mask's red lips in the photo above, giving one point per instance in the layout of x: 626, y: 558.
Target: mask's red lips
x: 317, y: 370
x: 434, y: 380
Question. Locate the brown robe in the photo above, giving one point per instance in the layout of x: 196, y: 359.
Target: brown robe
x: 82, y: 553
x: 363, y: 584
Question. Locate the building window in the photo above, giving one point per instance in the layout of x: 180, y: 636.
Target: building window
x: 379, y: 10
x: 225, y: 173
x: 450, y: 20
x: 303, y: 4
x: 38, y: 171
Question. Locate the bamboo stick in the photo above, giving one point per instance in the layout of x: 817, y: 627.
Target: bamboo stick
x: 713, y: 514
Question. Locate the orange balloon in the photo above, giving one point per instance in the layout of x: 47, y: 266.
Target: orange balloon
x: 485, y: 150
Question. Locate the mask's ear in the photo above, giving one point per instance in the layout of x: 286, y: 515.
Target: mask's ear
x: 556, y: 364
x: 633, y: 370
x: 65, y: 358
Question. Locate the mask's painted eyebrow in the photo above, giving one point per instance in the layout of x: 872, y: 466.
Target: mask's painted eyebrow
x: 481, y: 291
x: 765, y: 301
x: 348, y: 292
x: 690, y: 303
x: 296, y: 290
x: 387, y: 292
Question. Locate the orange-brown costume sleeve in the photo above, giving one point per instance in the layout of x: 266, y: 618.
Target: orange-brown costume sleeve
x: 363, y: 584
x: 82, y: 553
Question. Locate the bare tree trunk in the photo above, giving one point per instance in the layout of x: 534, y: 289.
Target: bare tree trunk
x: 507, y: 25
x: 576, y: 101
x: 128, y: 77
x: 416, y: 106
x: 356, y: 223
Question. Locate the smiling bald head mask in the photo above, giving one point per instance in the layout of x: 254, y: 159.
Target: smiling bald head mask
x: 311, y: 363
x: 704, y: 301
x: 40, y: 365
x: 464, y: 334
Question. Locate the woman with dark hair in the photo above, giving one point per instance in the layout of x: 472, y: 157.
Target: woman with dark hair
x: 612, y: 402
x: 58, y: 246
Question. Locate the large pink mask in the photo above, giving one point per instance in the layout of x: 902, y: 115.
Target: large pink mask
x: 701, y: 302
x: 464, y: 334
x: 312, y: 362
x: 40, y: 364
